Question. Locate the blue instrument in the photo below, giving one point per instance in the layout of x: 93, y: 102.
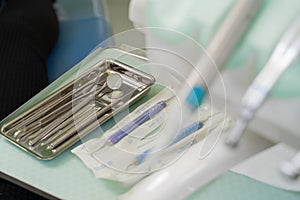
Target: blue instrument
x: 144, y: 117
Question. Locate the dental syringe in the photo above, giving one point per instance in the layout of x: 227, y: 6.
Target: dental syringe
x: 286, y: 51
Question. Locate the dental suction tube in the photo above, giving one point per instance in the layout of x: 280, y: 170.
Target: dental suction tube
x: 219, y: 49
x: 286, y: 51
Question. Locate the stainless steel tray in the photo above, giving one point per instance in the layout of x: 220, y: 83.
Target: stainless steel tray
x: 69, y: 113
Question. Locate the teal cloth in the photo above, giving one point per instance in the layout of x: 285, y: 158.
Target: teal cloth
x: 233, y: 186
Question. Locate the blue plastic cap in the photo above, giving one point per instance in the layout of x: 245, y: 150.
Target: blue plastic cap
x: 196, y: 97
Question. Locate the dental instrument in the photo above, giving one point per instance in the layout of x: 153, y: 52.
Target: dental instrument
x: 291, y: 168
x: 144, y: 117
x: 138, y: 121
x: 57, y: 114
x: 83, y: 120
x: 286, y: 51
x: 139, y: 158
x: 67, y: 118
x: 185, y: 132
x: 113, y: 82
x: 48, y: 105
x: 192, y: 128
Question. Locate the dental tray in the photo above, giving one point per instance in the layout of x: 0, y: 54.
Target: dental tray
x: 54, y: 123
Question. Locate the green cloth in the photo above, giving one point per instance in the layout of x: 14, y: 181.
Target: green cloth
x: 233, y: 186
x: 200, y: 19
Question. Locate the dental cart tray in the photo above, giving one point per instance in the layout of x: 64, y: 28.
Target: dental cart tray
x: 79, y: 106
